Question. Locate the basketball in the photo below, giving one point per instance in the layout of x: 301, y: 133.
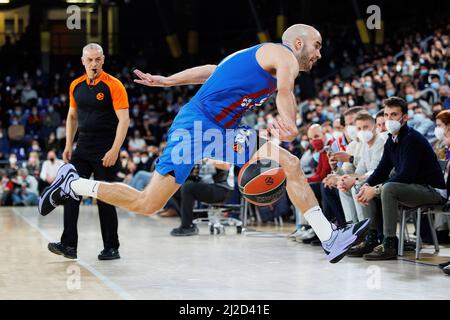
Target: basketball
x: 262, y: 181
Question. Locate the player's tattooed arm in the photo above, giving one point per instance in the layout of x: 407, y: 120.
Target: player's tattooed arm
x: 196, y: 75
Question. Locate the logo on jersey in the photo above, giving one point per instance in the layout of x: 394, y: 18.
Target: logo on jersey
x: 242, y: 139
x: 100, y: 96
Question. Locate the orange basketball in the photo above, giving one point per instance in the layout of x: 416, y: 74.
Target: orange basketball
x: 262, y: 182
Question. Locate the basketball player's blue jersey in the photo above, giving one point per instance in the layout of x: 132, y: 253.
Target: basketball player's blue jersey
x: 238, y: 84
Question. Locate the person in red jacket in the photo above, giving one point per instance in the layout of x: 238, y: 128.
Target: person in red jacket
x: 317, y: 140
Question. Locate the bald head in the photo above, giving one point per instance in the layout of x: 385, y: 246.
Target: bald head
x: 302, y: 31
x: 306, y: 42
x: 315, y: 132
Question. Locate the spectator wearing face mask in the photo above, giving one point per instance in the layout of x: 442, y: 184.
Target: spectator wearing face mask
x: 33, y: 164
x: 26, y: 191
x: 136, y: 143
x: 317, y: 141
x: 12, y: 167
x: 344, y: 161
x: 49, y: 169
x: 373, y: 145
x: 418, y: 178
x: 51, y: 143
x: 423, y: 124
x: 444, y: 94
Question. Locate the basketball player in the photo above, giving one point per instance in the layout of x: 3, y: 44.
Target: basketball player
x: 241, y: 81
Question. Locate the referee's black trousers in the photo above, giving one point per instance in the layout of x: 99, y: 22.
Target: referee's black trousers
x: 107, y: 213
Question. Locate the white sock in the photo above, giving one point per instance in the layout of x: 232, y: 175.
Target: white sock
x: 320, y: 224
x: 85, y: 187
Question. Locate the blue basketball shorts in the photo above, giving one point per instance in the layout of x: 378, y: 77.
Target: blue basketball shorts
x: 193, y: 136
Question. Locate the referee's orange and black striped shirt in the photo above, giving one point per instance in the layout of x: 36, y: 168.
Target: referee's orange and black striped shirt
x: 95, y: 103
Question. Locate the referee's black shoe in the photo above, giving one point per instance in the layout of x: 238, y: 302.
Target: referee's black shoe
x: 109, y: 254
x: 63, y: 250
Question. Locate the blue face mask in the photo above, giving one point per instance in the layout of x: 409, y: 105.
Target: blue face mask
x: 435, y: 85
x: 418, y: 117
x: 390, y: 92
x: 423, y: 72
x: 409, y: 98
x: 411, y: 113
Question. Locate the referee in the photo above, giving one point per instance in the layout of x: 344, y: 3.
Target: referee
x: 99, y: 110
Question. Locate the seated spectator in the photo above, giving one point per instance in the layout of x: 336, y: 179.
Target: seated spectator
x: 51, y: 143
x: 380, y: 123
x: 317, y: 141
x: 50, y: 168
x: 12, y: 167
x: 26, y: 191
x: 423, y: 124
x: 33, y: 164
x: 372, y: 150
x: 214, y: 186
x: 126, y: 169
x: 418, y: 178
x: 6, y: 189
x: 136, y: 143
x: 442, y: 135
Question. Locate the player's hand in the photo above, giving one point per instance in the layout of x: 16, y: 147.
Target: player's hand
x: 67, y: 154
x: 282, y: 130
x: 147, y: 79
x: 110, y: 158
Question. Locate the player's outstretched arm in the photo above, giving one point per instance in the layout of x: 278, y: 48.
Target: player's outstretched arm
x: 196, y: 75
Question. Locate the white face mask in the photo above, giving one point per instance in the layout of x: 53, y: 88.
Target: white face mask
x: 439, y: 133
x: 136, y: 160
x: 304, y: 144
x: 337, y: 134
x: 328, y: 136
x: 365, y: 135
x: 352, y: 132
x: 393, y: 126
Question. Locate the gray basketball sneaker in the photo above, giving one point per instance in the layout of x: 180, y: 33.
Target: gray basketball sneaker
x: 342, y: 239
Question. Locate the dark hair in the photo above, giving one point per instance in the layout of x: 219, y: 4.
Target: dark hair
x: 342, y: 120
x: 396, y: 102
x: 379, y: 114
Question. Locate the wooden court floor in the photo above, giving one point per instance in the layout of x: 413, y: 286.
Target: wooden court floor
x: 154, y: 265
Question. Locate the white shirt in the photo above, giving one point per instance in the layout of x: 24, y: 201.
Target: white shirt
x: 371, y: 156
x: 355, y: 149
x: 137, y: 144
x: 49, y: 169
